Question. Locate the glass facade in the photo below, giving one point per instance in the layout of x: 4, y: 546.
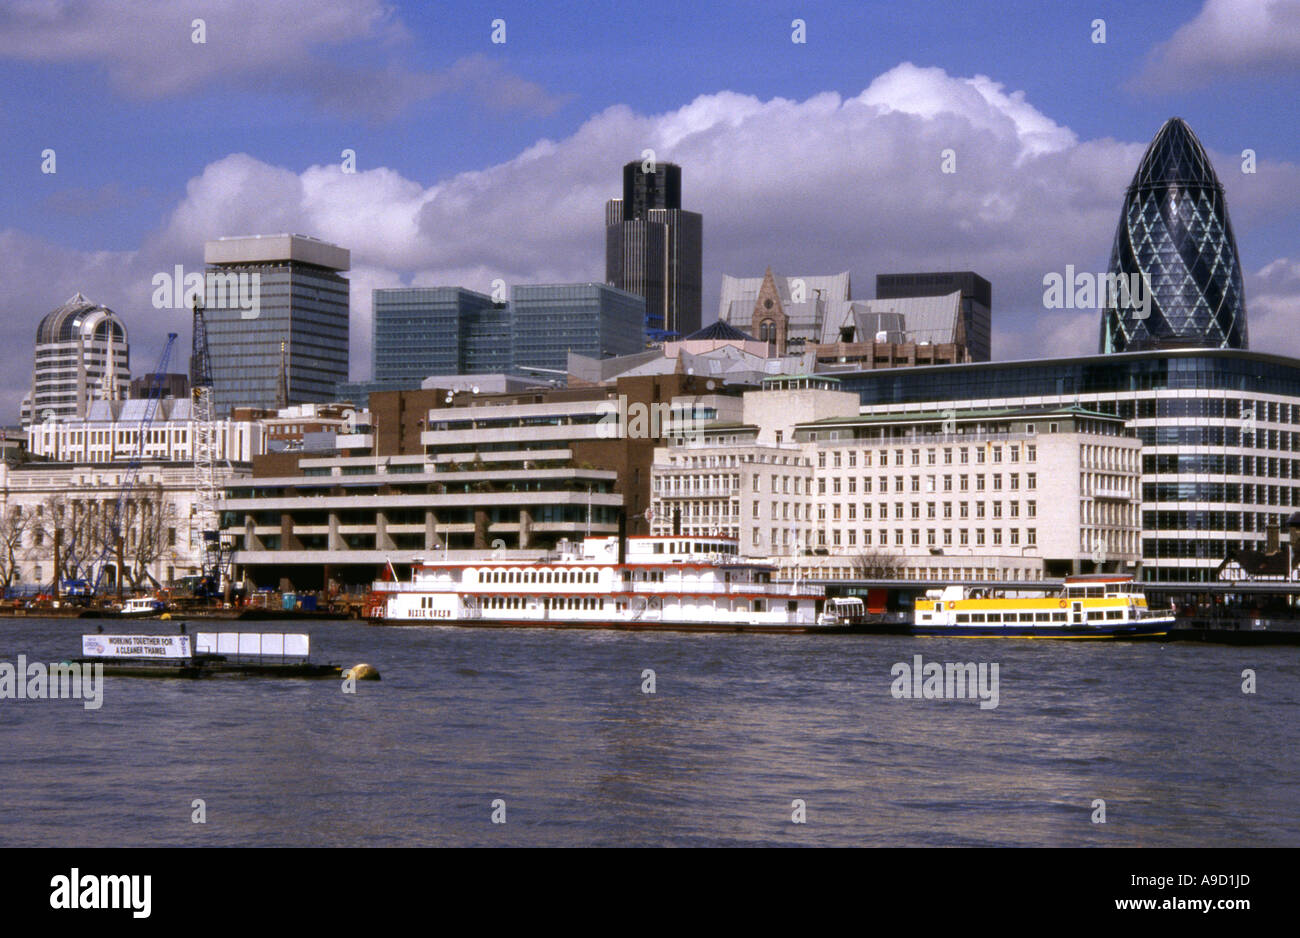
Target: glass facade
x: 588, y: 318
x: 1220, y: 433
x: 655, y: 249
x: 304, y: 306
x: 1175, y: 235
x: 422, y: 331
x: 976, y: 301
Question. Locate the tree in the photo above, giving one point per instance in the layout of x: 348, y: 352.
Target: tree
x: 877, y: 565
x: 14, y: 525
x: 81, y: 526
x: 149, y: 531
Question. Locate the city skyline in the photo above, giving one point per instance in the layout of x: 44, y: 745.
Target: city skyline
x: 1043, y: 151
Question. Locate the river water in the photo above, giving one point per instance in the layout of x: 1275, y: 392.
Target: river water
x: 554, y: 727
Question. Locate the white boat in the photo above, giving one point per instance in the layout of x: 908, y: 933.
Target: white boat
x: 1091, y: 606
x: 668, y: 583
x: 141, y: 608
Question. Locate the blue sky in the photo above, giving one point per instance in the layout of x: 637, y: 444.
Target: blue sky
x: 477, y: 160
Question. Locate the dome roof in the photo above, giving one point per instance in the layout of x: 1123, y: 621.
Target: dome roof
x: 79, y: 318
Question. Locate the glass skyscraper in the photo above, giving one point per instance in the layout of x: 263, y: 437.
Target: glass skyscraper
x: 263, y: 290
x: 1175, y: 235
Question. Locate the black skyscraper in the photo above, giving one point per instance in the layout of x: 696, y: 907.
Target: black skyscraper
x: 976, y: 301
x: 654, y: 248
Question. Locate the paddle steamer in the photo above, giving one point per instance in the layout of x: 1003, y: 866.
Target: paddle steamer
x: 666, y: 583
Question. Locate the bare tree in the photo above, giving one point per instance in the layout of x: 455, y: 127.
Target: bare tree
x: 149, y: 525
x: 877, y: 565
x: 81, y: 526
x: 14, y: 525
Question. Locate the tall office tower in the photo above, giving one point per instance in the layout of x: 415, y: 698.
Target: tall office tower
x: 655, y: 249
x: 82, y: 355
x: 592, y: 319
x: 422, y: 331
x: 262, y: 290
x: 976, y: 302
x: 1174, y: 235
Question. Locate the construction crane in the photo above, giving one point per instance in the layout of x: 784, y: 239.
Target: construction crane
x: 216, y: 555
x: 113, y: 533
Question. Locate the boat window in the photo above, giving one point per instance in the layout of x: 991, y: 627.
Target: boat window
x: 1026, y: 617
x: 1042, y: 617
x: 963, y: 617
x: 1058, y: 617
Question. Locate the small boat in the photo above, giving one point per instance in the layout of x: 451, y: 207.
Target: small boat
x: 141, y: 608
x: 1090, y: 606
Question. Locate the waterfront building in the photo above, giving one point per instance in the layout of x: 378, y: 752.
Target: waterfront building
x: 82, y: 355
x: 460, y: 473
x: 654, y: 249
x: 161, y: 532
x: 976, y: 302
x: 1219, y: 428
x: 273, y: 295
x: 1175, y: 235
x: 804, y: 481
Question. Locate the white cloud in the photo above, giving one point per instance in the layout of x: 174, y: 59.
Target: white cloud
x: 811, y: 186
x: 1227, y: 39
x: 1273, y: 306
x: 291, y: 47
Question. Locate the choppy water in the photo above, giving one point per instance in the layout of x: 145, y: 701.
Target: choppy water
x: 556, y: 724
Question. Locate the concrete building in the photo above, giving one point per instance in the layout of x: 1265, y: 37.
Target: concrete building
x: 82, y: 355
x: 460, y: 473
x: 805, y: 482
x: 110, y: 433
x: 262, y: 291
x: 162, y: 540
x: 1219, y: 430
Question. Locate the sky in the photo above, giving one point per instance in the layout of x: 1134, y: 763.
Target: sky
x: 478, y: 160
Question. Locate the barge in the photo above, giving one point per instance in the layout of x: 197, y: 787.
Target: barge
x: 252, y: 654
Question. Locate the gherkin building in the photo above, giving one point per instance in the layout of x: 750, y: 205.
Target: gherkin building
x: 1174, y: 232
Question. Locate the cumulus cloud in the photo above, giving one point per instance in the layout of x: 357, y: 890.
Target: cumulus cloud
x: 148, y: 50
x: 1227, y: 39
x: 813, y: 187
x: 1272, y: 305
